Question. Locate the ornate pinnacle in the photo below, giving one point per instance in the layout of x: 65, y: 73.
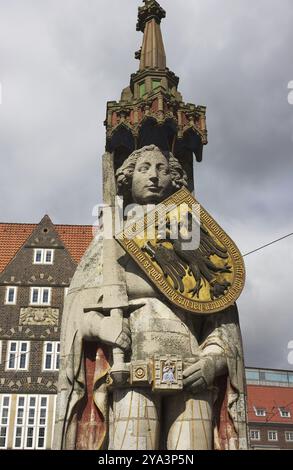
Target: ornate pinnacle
x: 150, y: 10
x: 151, y: 109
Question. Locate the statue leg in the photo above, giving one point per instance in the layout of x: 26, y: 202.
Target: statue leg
x: 189, y: 421
x: 135, y: 420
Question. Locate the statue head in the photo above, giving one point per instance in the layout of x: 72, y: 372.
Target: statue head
x: 149, y: 175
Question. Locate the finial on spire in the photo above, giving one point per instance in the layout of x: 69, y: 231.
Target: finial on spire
x: 150, y: 10
x: 152, y: 54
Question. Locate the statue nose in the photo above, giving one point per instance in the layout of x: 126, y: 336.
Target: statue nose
x: 153, y: 178
x: 153, y: 175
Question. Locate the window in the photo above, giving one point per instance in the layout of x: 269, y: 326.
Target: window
x: 43, y: 256
x: 19, y: 422
x: 31, y: 422
x: 252, y: 375
x: 276, y: 377
x: 255, y: 435
x: 53, y: 418
x: 272, y: 436
x: 48, y: 256
x: 260, y: 412
x: 4, y: 420
x: 0, y: 351
x: 284, y: 412
x: 18, y: 355
x: 262, y: 376
x: 40, y: 296
x: 289, y: 436
x: 11, y: 295
x: 51, y: 355
x: 156, y: 84
x: 38, y: 256
x: 141, y: 89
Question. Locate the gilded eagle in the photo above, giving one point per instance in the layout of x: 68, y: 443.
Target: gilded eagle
x: 176, y: 263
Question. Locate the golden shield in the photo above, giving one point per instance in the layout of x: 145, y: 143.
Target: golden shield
x: 186, y: 254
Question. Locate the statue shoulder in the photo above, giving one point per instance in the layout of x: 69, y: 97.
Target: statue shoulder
x: 88, y: 274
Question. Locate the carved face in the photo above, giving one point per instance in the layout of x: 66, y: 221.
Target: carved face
x: 151, y: 182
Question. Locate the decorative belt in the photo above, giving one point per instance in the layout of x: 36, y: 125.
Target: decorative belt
x: 161, y: 373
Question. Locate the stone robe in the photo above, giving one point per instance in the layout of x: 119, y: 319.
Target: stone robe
x: 83, y: 411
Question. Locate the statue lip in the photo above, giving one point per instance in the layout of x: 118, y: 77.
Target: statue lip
x: 153, y: 188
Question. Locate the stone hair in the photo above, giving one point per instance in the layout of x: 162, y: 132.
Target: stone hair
x: 125, y: 172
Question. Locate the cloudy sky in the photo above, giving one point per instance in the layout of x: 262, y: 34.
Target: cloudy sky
x: 62, y: 60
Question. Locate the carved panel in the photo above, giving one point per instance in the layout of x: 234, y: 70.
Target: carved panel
x: 39, y: 316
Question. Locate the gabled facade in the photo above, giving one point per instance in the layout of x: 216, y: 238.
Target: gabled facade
x: 33, y: 285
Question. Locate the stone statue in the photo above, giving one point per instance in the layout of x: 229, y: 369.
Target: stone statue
x: 143, y: 368
x: 204, y: 352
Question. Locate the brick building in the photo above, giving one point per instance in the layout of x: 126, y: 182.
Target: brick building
x: 270, y: 408
x: 37, y: 263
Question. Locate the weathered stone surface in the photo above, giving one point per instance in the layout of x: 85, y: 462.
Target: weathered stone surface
x: 207, y: 347
x: 112, y: 305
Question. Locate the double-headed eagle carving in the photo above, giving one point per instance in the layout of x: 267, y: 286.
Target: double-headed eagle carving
x: 177, y: 262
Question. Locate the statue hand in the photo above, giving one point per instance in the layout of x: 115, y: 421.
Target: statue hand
x: 117, y: 336
x: 108, y: 330
x: 201, y: 375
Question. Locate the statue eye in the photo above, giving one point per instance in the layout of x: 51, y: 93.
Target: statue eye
x: 164, y: 170
x: 144, y: 168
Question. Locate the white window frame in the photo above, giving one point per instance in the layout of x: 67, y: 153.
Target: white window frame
x: 18, y: 353
x: 19, y: 423
x: 54, y: 419
x: 260, y: 412
x: 38, y: 250
x: 288, y: 435
x: 4, y: 420
x: 43, y: 252
x: 271, y: 438
x: 7, y: 302
x: 55, y: 355
x: 45, y: 421
x: 254, y: 431
x: 40, y: 296
x: 30, y: 422
x: 0, y: 352
x: 52, y: 256
x: 37, y: 422
x: 283, y: 410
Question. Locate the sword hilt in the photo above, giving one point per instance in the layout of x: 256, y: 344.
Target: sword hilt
x: 120, y: 370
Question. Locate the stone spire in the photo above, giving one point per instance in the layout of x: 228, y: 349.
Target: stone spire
x: 152, y: 54
x: 151, y: 109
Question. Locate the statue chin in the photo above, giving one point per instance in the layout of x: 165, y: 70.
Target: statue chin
x: 151, y: 197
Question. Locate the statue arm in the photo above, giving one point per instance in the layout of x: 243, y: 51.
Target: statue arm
x: 218, y: 356
x: 115, y: 332
x: 210, y: 364
x: 223, y: 335
x: 219, y: 349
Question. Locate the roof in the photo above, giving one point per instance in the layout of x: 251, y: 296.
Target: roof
x: 76, y: 239
x: 270, y: 399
